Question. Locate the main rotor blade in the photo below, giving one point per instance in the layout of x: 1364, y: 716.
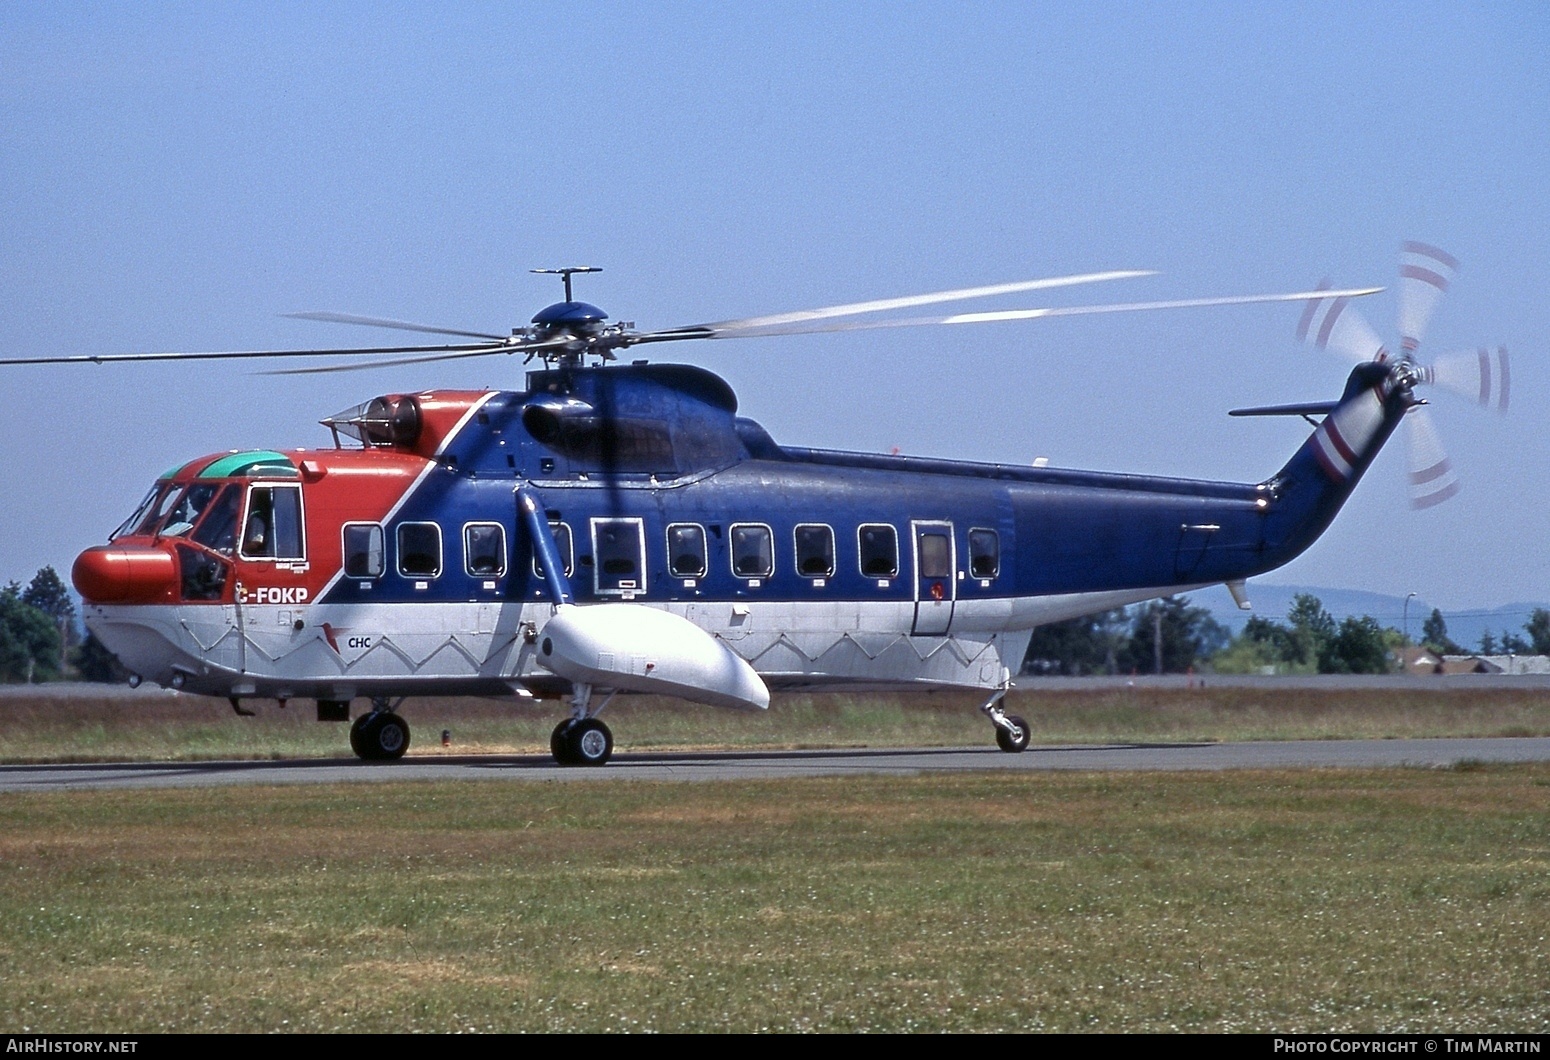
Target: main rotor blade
x: 910, y: 301
x: 1331, y: 323
x: 234, y: 355
x: 380, y: 322
x: 481, y: 351
x: 1424, y: 274
x: 1027, y: 314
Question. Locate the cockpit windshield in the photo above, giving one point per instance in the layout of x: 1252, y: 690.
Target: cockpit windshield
x: 185, y: 512
x: 173, y: 511
x: 218, y: 529
x: 148, y: 513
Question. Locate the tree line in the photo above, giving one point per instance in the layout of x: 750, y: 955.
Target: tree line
x: 41, y: 637
x: 1171, y: 636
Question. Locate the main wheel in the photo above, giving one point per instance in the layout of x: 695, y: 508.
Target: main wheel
x: 558, y: 746
x: 589, y: 743
x: 1013, y: 743
x: 380, y: 737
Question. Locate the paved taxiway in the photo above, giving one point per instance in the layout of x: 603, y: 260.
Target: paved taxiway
x: 744, y: 765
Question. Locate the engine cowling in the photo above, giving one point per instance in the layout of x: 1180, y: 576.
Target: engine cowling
x: 637, y: 648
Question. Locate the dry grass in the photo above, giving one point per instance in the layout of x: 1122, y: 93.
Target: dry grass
x: 1395, y: 900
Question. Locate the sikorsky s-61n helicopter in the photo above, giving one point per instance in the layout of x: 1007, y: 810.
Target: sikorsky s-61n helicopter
x: 618, y: 527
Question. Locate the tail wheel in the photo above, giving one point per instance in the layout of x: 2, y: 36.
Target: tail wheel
x: 1013, y: 742
x: 380, y: 737
x: 588, y: 743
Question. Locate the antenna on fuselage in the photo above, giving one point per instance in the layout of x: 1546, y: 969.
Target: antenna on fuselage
x: 565, y: 274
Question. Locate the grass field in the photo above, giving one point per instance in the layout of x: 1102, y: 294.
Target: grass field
x: 1394, y: 900
x: 117, y: 725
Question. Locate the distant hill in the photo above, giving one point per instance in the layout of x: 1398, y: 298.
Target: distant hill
x: 1273, y: 601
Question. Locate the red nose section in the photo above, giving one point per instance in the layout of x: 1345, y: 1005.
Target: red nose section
x: 109, y: 574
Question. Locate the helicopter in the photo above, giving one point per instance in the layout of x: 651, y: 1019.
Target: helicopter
x: 618, y: 527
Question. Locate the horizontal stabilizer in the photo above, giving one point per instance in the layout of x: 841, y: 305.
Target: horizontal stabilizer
x: 1313, y: 408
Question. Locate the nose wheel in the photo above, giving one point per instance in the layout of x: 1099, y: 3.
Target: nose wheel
x: 380, y: 736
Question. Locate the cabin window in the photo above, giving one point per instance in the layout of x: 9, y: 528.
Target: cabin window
x: 562, y: 544
x: 879, y: 545
x: 419, y: 550
x: 753, y: 550
x: 815, y: 550
x: 484, y: 549
x: 273, y: 529
x: 984, y: 553
x: 217, y: 531
x: 363, y: 550
x: 619, y: 550
x: 686, y: 550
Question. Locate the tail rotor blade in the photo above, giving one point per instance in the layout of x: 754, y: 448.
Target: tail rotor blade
x: 1424, y: 274
x: 1480, y: 375
x: 1333, y: 324
x: 1432, y: 480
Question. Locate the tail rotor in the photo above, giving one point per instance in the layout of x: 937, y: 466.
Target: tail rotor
x: 1425, y: 273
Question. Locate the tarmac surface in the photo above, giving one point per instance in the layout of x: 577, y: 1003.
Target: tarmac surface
x: 744, y: 765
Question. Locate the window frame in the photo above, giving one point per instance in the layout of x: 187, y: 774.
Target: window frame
x: 505, y: 562
x: 667, y: 536
x: 567, y: 553
x: 769, y: 534
x: 247, y: 514
x: 598, y: 573
x: 995, y: 536
x: 398, y: 551
x: 860, y: 550
x: 796, y: 545
x: 344, y: 549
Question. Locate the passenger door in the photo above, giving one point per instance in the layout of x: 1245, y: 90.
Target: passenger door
x: 936, y: 577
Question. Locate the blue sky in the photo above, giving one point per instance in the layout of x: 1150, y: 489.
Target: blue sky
x: 177, y: 176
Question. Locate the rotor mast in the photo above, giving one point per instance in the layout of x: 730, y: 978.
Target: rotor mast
x: 565, y: 275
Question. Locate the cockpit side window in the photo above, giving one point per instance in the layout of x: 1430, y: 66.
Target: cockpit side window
x: 273, y: 529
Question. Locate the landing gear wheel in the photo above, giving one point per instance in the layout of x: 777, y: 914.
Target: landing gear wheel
x: 381, y: 736
x: 1013, y: 743
x: 588, y: 743
x: 558, y: 745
